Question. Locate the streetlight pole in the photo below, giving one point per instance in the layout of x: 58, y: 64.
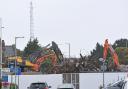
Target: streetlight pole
x: 69, y: 48
x: 16, y: 58
x: 103, y: 72
x: 103, y: 69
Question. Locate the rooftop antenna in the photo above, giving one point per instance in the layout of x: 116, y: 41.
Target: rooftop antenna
x: 31, y: 22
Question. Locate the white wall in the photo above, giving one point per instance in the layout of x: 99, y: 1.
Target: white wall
x: 94, y: 80
x: 52, y: 80
x: 87, y: 80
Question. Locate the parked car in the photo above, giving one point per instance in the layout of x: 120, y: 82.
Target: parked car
x: 123, y: 84
x: 39, y: 85
x: 66, y: 86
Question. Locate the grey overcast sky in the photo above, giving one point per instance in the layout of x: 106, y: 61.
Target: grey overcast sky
x: 82, y: 23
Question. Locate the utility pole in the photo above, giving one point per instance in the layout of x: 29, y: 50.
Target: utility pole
x: 16, y: 61
x: 69, y: 49
x: 103, y: 70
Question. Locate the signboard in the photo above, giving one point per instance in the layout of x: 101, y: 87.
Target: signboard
x: 5, y: 69
x: 5, y: 78
x: 103, y: 68
x: 16, y: 70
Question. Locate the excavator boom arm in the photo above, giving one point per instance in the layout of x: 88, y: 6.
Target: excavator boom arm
x: 113, y: 53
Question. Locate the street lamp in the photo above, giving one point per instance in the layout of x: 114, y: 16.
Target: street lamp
x: 104, y: 68
x: 16, y: 58
x: 68, y: 48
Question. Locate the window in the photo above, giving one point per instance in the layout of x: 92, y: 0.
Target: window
x: 71, y: 78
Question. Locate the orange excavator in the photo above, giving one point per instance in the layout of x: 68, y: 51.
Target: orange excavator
x: 36, y: 66
x: 38, y: 61
x: 119, y: 67
x: 50, y: 55
x: 113, y: 53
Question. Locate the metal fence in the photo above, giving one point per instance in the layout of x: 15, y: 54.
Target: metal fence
x: 72, y: 78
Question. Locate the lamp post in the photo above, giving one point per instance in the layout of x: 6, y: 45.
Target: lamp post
x: 68, y: 51
x: 103, y: 72
x: 69, y: 54
x: 103, y: 61
x: 69, y: 48
x: 16, y: 58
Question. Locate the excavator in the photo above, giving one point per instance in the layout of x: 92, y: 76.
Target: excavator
x: 112, y: 51
x: 36, y: 59
x: 119, y: 67
x: 123, y: 84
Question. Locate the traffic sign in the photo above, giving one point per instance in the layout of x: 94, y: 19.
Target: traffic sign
x: 16, y: 71
x: 5, y: 78
x: 5, y: 69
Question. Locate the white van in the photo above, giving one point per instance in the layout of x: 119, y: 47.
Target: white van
x: 66, y: 86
